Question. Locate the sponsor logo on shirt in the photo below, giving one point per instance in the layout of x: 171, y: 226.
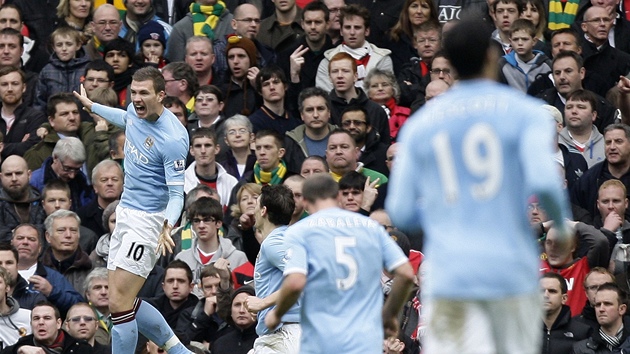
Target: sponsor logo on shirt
x: 148, y: 142
x: 179, y: 165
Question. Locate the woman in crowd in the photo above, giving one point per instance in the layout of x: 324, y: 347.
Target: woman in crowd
x: 76, y: 14
x: 382, y: 88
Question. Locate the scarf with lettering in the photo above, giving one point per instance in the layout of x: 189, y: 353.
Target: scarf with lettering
x: 274, y: 177
x: 205, y: 18
x: 361, y: 55
x: 559, y: 17
x: 612, y: 342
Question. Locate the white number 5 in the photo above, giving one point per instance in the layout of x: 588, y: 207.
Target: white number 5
x: 341, y: 243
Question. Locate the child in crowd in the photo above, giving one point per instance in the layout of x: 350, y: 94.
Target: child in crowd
x: 152, y: 45
x: 65, y: 68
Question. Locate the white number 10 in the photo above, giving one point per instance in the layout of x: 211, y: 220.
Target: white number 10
x: 482, y: 156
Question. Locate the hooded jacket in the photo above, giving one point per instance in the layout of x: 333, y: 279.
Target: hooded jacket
x: 226, y: 250
x: 9, y: 217
x: 512, y: 74
x: 225, y: 182
x: 14, y: 324
x: 59, y: 76
x: 593, y: 150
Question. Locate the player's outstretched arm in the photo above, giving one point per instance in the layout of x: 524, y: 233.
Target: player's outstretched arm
x: 255, y: 304
x: 290, y: 291
x: 401, y: 288
x: 83, y: 98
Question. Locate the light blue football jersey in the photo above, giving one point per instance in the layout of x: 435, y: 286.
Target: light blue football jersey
x: 268, y: 276
x: 466, y: 164
x: 342, y: 254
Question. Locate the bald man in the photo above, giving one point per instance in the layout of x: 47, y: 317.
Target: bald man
x: 19, y: 202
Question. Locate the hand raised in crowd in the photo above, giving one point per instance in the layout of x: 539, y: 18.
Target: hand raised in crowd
x: 296, y: 61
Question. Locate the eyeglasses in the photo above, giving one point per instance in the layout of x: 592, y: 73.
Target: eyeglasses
x: 349, y: 122
x: 239, y: 131
x: 599, y: 20
x: 534, y: 206
x: 334, y: 10
x: 380, y: 84
x: 248, y: 20
x: 441, y: 71
x: 94, y: 79
x: 201, y: 99
x: 171, y: 80
x: 105, y: 23
x: 205, y: 220
x: 69, y: 169
x: 78, y: 319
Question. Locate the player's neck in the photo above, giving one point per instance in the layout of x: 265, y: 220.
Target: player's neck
x: 322, y: 204
x: 266, y: 228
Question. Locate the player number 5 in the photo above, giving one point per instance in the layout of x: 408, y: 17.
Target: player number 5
x: 341, y: 243
x: 482, y: 156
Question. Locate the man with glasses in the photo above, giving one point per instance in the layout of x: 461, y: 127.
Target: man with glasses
x: 373, y: 151
x: 66, y: 163
x: 246, y: 23
x: 81, y: 323
x: 181, y: 82
x: 334, y: 23
x: 98, y: 74
x: 106, y: 23
x: 599, y: 56
x: 205, y: 215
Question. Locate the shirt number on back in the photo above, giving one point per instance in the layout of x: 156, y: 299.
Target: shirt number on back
x: 341, y: 243
x: 482, y: 156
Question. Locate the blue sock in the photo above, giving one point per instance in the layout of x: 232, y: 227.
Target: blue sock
x: 152, y: 325
x: 124, y: 332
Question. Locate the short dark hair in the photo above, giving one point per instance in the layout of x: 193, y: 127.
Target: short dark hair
x: 54, y: 100
x: 273, y: 133
x: 203, y: 132
x: 170, y: 101
x: 152, y: 74
x: 14, y: 7
x: 352, y: 180
x: 182, y: 71
x: 120, y: 45
x: 179, y: 264
x: 568, y: 54
x: 584, y: 96
x: 6, y: 70
x: 268, y: 73
x: 56, y: 185
x: 467, y: 50
x: 48, y: 304
x: 355, y: 108
x: 113, y: 140
x: 312, y: 92
x: 8, y: 31
x: 518, y: 3
x: 211, y: 89
x: 559, y: 278
x: 319, y: 186
x: 205, y: 206
x: 523, y: 25
x: 567, y: 30
x: 278, y: 199
x: 341, y: 131
x: 7, y: 246
x: 100, y: 65
x: 353, y: 10
x: 622, y: 296
x: 317, y: 6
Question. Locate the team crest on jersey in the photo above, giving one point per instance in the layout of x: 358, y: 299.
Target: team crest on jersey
x: 179, y: 165
x: 148, y: 142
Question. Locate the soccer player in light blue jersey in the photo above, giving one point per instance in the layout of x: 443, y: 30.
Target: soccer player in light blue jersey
x: 151, y: 203
x: 335, y: 258
x: 466, y: 164
x: 274, y: 210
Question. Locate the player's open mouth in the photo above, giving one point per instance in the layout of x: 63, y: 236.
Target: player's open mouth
x: 140, y: 109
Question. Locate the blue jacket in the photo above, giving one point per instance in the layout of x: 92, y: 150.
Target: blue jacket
x: 63, y: 294
x: 81, y: 193
x: 512, y: 74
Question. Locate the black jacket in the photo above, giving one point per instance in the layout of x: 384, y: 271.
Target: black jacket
x: 574, y: 166
x: 70, y: 345
x: 376, y: 113
x: 606, y: 112
x: 564, y: 332
x: 375, y: 153
x: 171, y: 315
x: 596, y: 345
x: 235, y: 341
x: 311, y: 61
x: 27, y: 120
x: 195, y: 325
x: 9, y: 218
x: 608, y: 62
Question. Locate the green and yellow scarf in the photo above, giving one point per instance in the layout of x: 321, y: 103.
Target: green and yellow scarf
x: 274, y: 177
x: 205, y: 18
x: 559, y: 17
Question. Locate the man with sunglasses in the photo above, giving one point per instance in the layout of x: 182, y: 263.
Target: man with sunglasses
x: 82, y: 323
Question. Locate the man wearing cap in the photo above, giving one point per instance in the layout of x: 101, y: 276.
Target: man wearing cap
x: 139, y: 13
x: 241, y: 320
x: 240, y: 87
x: 208, y: 18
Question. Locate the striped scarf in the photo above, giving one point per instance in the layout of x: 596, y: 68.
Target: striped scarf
x: 274, y: 177
x: 562, y: 18
x: 612, y: 342
x: 205, y: 18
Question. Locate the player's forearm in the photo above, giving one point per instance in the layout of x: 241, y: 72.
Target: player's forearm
x: 175, y: 203
x: 401, y: 287
x: 270, y: 300
x: 115, y: 116
x: 289, y: 293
